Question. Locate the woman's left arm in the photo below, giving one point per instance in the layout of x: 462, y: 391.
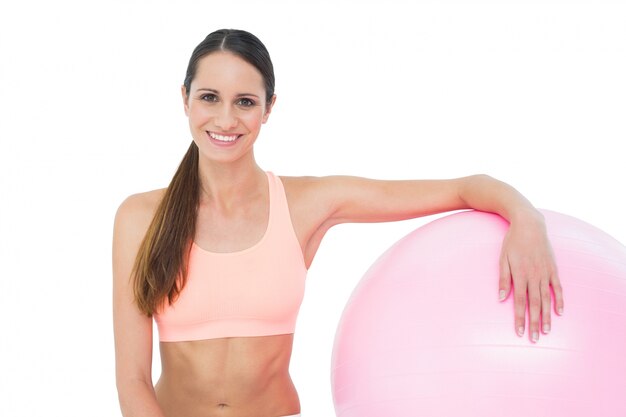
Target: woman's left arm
x: 526, y: 260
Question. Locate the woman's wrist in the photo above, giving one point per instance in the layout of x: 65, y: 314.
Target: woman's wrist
x: 527, y: 215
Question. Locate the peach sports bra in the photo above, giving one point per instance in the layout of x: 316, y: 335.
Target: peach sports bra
x: 253, y: 292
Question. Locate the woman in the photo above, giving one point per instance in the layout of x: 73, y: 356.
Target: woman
x: 220, y: 256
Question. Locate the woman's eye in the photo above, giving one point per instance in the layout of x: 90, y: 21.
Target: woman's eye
x: 209, y: 97
x: 246, y: 102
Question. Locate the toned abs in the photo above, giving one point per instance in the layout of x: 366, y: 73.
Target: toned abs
x: 229, y: 377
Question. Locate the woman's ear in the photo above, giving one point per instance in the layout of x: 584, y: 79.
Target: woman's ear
x: 183, y: 91
x: 268, y: 108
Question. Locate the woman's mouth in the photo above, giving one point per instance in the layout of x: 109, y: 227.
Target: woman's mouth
x: 221, y: 139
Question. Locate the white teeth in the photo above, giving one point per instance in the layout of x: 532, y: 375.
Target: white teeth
x: 223, y: 138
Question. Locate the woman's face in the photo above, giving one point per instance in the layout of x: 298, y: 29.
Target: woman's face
x: 226, y: 106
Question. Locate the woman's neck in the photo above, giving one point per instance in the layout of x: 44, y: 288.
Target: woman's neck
x: 229, y: 185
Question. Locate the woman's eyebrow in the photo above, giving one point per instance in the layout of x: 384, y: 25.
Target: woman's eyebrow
x: 217, y: 92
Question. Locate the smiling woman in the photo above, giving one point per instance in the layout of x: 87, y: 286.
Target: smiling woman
x: 232, y: 114
x: 219, y: 258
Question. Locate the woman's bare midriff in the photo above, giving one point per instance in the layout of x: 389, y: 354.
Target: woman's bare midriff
x: 227, y: 377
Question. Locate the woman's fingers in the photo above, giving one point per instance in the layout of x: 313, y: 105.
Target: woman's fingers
x: 531, y: 291
x: 534, y: 308
x: 519, y: 293
x: 519, y: 303
x: 546, y: 301
x: 505, y: 278
x: 558, y: 293
x: 527, y: 263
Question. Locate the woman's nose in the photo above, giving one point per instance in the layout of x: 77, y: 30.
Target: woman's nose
x: 225, y: 119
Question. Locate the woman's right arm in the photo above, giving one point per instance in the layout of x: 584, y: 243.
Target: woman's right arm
x: 133, y: 329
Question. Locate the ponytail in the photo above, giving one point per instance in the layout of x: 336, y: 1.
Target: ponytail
x: 160, y: 268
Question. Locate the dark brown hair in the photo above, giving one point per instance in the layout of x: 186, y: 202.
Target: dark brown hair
x: 160, y: 269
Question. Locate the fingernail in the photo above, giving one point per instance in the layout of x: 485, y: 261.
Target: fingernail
x: 520, y: 331
x: 560, y: 310
x: 502, y: 294
x: 546, y: 328
x: 535, y: 336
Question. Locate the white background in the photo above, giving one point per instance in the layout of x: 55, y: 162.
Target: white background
x: 532, y: 93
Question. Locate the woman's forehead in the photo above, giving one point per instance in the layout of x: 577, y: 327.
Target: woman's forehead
x: 226, y: 71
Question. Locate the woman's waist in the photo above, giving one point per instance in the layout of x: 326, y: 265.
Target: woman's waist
x: 223, y: 385
x: 244, y: 365
x: 229, y: 394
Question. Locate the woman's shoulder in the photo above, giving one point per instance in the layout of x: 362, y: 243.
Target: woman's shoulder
x: 307, y: 183
x: 306, y: 188
x: 301, y: 182
x: 314, y: 195
x: 317, y: 187
x: 138, y: 209
x: 139, y: 203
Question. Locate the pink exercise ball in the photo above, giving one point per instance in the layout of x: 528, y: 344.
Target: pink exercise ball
x: 424, y: 334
